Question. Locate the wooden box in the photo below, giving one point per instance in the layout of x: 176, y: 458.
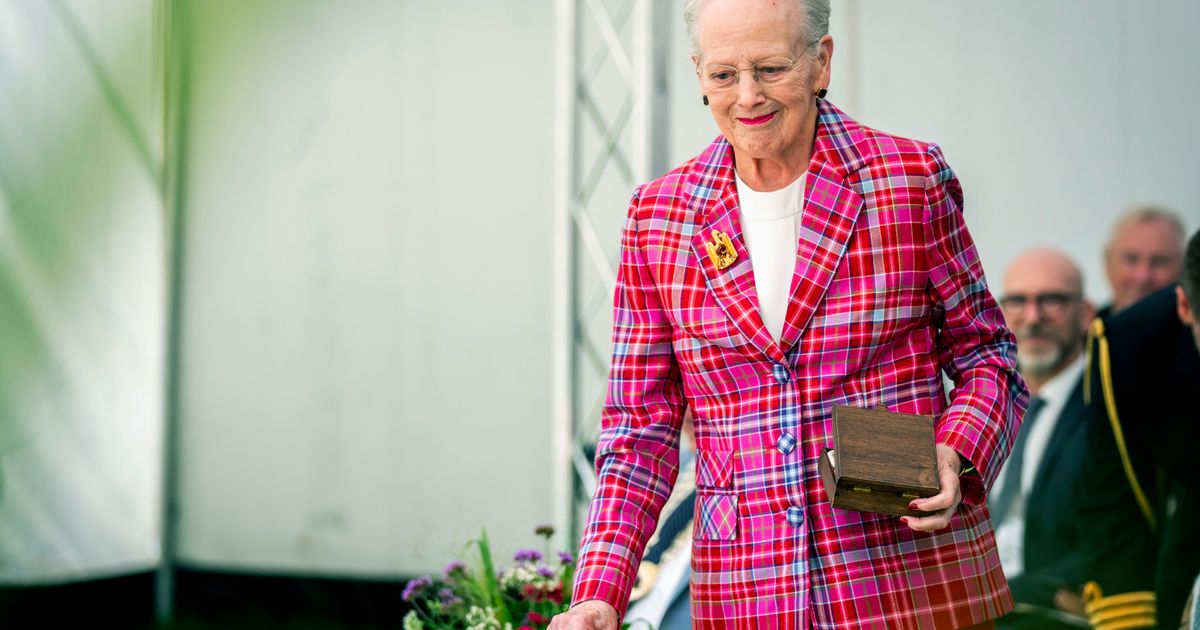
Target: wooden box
x: 880, y: 461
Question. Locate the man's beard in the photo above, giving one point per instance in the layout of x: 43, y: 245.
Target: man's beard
x: 1045, y: 363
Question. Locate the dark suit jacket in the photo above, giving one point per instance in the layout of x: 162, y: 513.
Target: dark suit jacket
x: 1052, y: 557
x: 1155, y: 375
x: 1051, y: 534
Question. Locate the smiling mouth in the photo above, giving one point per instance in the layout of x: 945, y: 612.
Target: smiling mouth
x: 758, y: 120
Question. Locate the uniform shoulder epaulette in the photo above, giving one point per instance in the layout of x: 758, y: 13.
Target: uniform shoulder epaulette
x: 1137, y: 609
x: 1097, y: 349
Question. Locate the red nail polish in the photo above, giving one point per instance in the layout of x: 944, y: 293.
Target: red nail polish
x: 912, y: 506
x: 904, y: 520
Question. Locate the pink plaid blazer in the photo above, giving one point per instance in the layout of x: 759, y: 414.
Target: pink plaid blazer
x: 888, y: 291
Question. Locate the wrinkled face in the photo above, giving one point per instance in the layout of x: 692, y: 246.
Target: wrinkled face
x: 762, y: 120
x: 1043, y: 307
x: 1144, y: 257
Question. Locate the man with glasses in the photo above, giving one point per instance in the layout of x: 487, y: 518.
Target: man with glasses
x: 1032, y: 502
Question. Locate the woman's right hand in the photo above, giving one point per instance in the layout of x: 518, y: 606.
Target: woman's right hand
x: 592, y: 614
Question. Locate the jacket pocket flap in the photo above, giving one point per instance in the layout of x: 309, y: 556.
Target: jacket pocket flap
x: 714, y: 469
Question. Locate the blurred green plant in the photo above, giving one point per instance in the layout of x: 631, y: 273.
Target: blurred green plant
x: 525, y: 596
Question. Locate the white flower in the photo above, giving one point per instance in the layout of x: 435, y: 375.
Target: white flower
x: 482, y: 619
x: 413, y: 622
x: 523, y: 574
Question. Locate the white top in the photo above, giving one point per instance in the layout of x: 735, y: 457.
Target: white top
x: 1010, y: 534
x: 770, y: 223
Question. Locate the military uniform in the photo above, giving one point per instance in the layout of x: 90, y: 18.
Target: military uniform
x: 1140, y: 487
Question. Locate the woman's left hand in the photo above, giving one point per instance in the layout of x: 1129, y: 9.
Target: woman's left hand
x: 943, y: 504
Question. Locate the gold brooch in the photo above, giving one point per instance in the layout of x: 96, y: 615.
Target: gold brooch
x: 720, y: 249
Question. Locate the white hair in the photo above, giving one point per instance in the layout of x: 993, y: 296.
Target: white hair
x: 1148, y: 214
x: 815, y: 26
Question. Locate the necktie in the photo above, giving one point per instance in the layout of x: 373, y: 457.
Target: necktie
x: 1011, y: 489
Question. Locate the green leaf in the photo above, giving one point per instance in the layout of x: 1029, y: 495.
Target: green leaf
x: 490, y: 582
x: 568, y: 581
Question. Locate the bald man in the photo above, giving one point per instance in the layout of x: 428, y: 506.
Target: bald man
x: 1032, y: 503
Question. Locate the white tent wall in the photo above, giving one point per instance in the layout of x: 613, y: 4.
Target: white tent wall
x: 366, y: 355
x: 366, y: 322
x: 81, y: 290
x: 366, y: 298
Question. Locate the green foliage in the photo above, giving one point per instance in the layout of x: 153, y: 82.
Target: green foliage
x: 524, y: 596
x: 491, y: 584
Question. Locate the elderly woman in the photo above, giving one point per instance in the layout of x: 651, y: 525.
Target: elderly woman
x: 801, y: 261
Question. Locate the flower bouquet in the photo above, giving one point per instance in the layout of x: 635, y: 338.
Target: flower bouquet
x: 522, y: 597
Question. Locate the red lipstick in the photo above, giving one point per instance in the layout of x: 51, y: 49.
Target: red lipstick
x: 758, y: 120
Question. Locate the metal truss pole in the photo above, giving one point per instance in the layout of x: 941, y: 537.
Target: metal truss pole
x: 566, y: 177
x: 612, y: 100
x: 176, y: 45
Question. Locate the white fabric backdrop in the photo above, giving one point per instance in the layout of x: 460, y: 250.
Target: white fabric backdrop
x: 81, y: 290
x: 366, y: 318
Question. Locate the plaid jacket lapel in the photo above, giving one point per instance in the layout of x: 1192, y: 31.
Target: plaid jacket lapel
x: 715, y: 199
x: 831, y: 207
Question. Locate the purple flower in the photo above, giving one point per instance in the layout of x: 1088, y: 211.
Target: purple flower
x: 565, y: 557
x: 416, y: 585
x: 544, y: 530
x: 454, y: 568
x: 527, y: 555
x: 448, y: 597
x: 546, y: 572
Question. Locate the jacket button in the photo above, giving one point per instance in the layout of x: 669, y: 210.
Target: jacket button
x: 795, y: 516
x: 786, y: 443
x: 780, y: 373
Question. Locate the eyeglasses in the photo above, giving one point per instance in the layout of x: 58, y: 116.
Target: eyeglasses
x: 1049, y: 304
x: 765, y: 72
